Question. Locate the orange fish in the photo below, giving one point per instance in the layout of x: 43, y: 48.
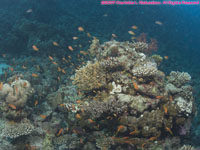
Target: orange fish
x: 133, y: 132
x: 125, y: 138
x: 73, y: 107
x: 78, y: 116
x: 35, y: 48
x: 131, y: 32
x: 135, y: 86
x: 158, y: 23
x: 70, y: 48
x: 78, y: 101
x: 55, y: 44
x: 170, y: 98
x: 165, y: 109
x: 54, y: 63
x: 36, y: 102
x: 134, y: 27
x: 75, y: 38
x: 159, y: 97
x: 88, y: 34
x: 119, y: 128
x: 1, y: 86
x: 43, y: 116
x: 11, y: 69
x: 153, y: 138
x: 59, y: 132
x: 166, y: 57
x: 34, y: 75
x: 63, y: 105
x: 63, y: 71
x: 91, y: 121
x: 4, y: 55
x: 16, y: 89
x: 80, y: 29
x: 169, y: 130
x: 12, y: 106
x: 59, y: 69
x: 82, y: 110
x: 50, y: 57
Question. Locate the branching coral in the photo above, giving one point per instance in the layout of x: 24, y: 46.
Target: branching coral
x: 90, y: 77
x: 145, y: 70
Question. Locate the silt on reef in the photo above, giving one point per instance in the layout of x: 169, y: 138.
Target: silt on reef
x: 127, y: 97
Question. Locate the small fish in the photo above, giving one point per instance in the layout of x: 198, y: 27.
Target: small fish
x: 80, y: 29
x: 55, y: 63
x: 91, y: 121
x: 153, y: 138
x: 11, y: 69
x: 36, y: 102
x: 134, y: 27
x: 114, y: 35
x: 88, y: 34
x: 83, y: 52
x: 59, y: 69
x: 158, y: 23
x: 133, y: 132
x: 55, y: 43
x: 78, y: 116
x: 1, y: 86
x: 29, y: 11
x: 143, y: 145
x: 58, y: 78
x: 125, y: 138
x: 78, y: 101
x: 131, y: 32
x: 35, y: 48
x: 170, y: 98
x: 105, y: 15
x: 75, y: 38
x: 62, y: 105
x: 3, y: 55
x: 165, y: 109
x: 70, y: 48
x: 82, y: 110
x: 63, y: 71
x: 43, y: 116
x: 50, y: 57
x: 59, y: 132
x: 24, y: 67
x: 166, y: 57
x: 12, y: 106
x: 16, y: 90
x: 133, y: 38
x: 169, y: 130
x: 119, y: 128
x: 34, y: 75
x: 159, y: 97
x: 135, y: 86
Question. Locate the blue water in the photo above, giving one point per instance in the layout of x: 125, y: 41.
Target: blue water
x: 58, y: 20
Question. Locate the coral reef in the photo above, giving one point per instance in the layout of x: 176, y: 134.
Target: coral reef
x: 129, y: 91
x: 16, y: 130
